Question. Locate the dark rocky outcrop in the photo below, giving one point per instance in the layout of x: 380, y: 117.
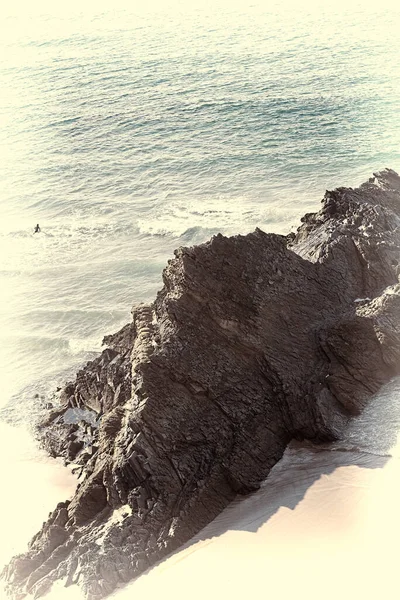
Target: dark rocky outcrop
x: 253, y: 341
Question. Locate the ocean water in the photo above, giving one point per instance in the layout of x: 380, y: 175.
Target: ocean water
x: 129, y: 129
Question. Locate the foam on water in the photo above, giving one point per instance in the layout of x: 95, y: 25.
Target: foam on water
x: 212, y: 215
x: 128, y: 132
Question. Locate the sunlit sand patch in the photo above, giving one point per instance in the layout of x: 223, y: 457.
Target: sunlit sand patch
x: 324, y: 522
x: 32, y: 485
x: 339, y: 539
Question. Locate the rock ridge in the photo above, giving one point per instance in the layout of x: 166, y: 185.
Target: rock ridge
x: 253, y: 341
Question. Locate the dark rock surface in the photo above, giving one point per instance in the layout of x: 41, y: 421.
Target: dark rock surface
x: 253, y: 341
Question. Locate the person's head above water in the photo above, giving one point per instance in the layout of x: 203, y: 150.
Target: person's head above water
x: 37, y: 228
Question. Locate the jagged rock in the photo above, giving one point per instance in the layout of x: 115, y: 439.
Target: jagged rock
x: 253, y: 341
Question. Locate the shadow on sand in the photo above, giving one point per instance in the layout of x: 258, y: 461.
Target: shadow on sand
x: 369, y: 442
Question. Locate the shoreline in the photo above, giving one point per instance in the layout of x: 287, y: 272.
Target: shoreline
x: 322, y: 521
x: 324, y: 514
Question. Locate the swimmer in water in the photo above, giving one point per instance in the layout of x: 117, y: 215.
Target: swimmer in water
x: 37, y: 229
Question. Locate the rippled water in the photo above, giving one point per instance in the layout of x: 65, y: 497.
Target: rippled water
x: 131, y: 130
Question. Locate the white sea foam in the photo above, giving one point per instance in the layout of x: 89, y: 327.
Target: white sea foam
x: 239, y: 215
x: 128, y: 132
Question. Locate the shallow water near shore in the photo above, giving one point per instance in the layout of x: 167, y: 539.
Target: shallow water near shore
x: 129, y: 132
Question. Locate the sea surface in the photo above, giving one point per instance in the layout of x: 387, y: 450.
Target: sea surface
x: 129, y: 129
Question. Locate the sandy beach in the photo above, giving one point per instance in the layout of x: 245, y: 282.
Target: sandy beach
x: 132, y: 129
x: 32, y: 484
x: 325, y: 521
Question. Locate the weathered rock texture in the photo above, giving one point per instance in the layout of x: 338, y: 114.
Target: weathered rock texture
x: 253, y: 341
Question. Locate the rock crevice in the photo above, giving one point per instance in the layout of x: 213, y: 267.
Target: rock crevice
x: 253, y: 341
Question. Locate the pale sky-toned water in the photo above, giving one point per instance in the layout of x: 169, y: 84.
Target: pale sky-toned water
x: 130, y: 129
